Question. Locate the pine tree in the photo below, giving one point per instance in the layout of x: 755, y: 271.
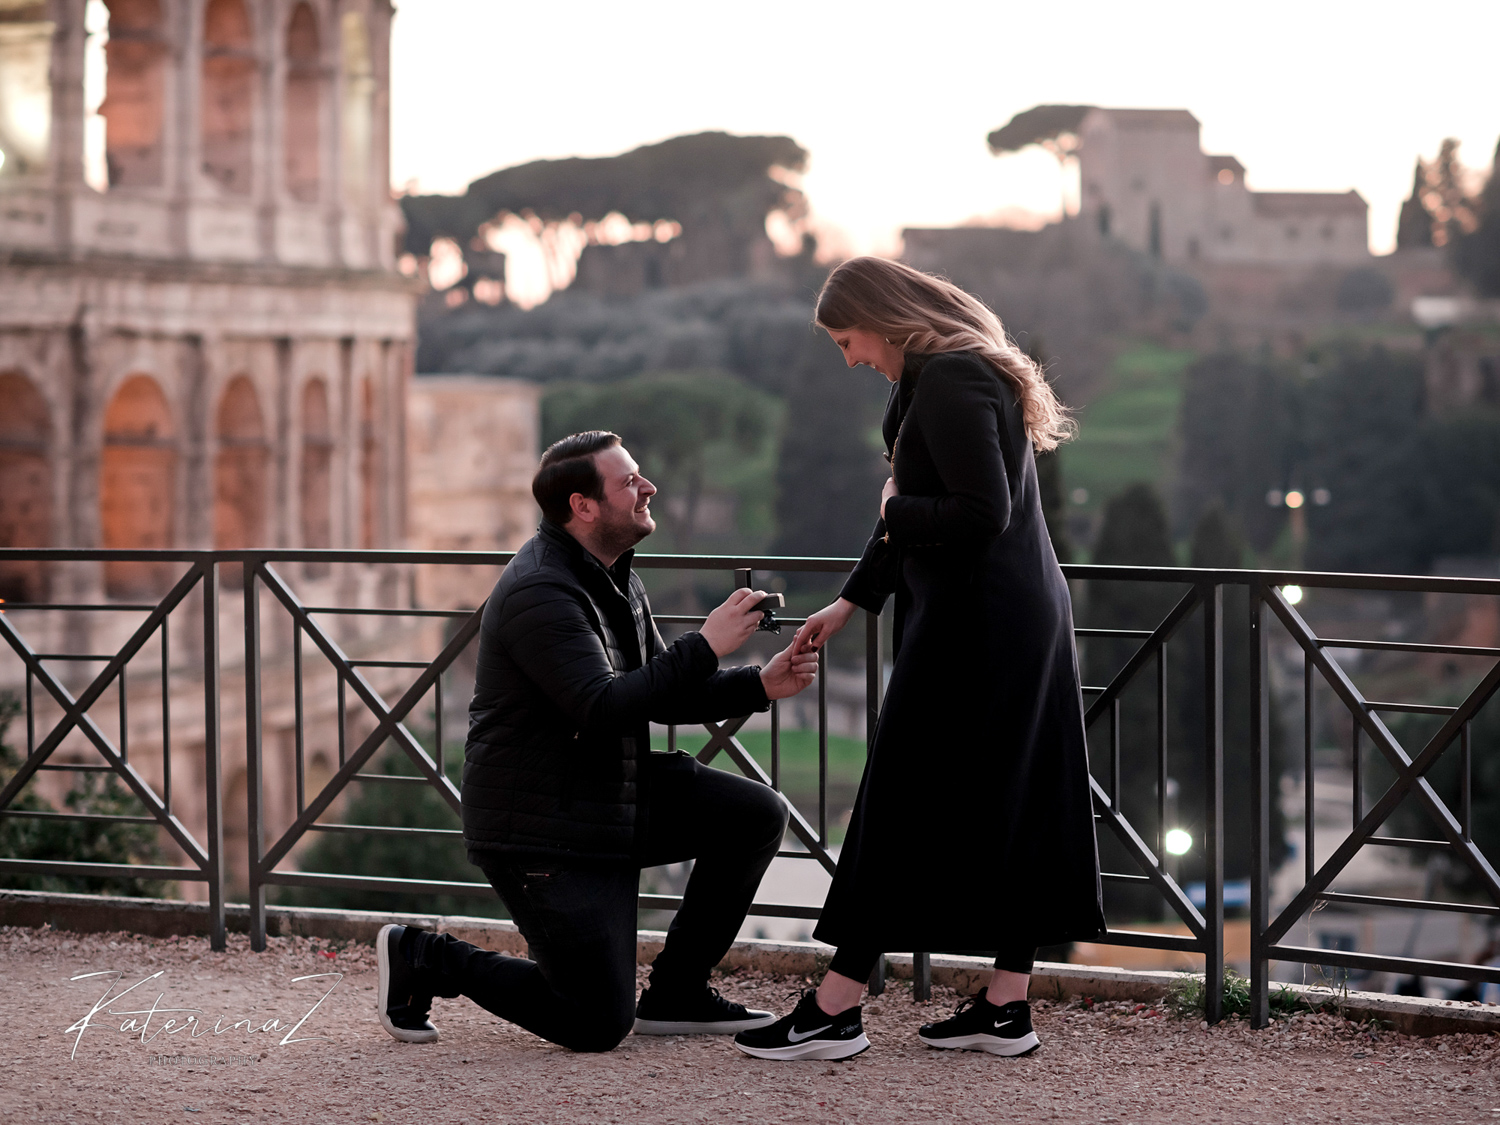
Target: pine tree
x: 1414, y: 227
x: 1477, y: 255
x: 1134, y: 533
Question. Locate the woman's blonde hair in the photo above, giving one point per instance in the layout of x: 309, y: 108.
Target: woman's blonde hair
x: 926, y: 314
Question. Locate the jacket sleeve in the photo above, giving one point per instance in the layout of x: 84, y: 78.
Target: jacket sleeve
x: 726, y: 694
x: 957, y: 411
x: 873, y: 578
x: 548, y: 634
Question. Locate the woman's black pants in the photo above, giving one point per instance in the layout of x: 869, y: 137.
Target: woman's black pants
x: 578, y: 987
x: 857, y: 963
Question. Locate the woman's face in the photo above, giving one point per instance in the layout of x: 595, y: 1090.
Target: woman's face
x: 861, y: 345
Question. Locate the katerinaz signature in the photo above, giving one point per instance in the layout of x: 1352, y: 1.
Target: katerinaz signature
x: 177, y: 1020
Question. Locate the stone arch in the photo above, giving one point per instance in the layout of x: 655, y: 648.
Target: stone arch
x: 25, y: 484
x: 316, y: 484
x: 357, y: 134
x: 302, y: 127
x: 227, y: 102
x: 240, y: 469
x: 137, y: 485
x: 134, y: 93
x: 369, y: 467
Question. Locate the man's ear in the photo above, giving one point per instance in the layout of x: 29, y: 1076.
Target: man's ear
x: 585, y: 509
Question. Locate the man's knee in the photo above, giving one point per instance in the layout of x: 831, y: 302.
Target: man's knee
x: 769, y: 812
x: 601, y: 1029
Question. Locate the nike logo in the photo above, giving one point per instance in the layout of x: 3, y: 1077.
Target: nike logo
x: 798, y: 1036
x: 1003, y: 1023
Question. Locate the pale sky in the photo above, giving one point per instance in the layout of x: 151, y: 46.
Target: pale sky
x: 894, y: 100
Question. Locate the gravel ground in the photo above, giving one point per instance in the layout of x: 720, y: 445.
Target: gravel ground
x: 1098, y: 1063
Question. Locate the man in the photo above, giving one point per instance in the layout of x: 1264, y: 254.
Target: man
x: 563, y: 800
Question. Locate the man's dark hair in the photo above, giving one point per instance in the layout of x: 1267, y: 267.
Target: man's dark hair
x: 568, y: 467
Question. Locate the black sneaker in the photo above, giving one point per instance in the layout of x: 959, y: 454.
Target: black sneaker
x: 978, y: 1025
x: 400, y: 999
x: 701, y: 1013
x: 808, y: 1033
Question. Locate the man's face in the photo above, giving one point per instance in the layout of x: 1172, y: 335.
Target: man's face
x: 625, y: 512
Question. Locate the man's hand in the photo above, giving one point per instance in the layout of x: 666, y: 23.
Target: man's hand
x: 887, y: 492
x: 822, y: 625
x: 731, y: 624
x: 789, y: 672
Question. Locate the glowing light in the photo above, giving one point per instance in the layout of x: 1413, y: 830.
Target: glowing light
x: 1293, y: 594
x: 446, y: 266
x: 1080, y: 496
x: 1294, y: 499
x: 1321, y: 496
x: 1178, y: 842
x: 1274, y: 497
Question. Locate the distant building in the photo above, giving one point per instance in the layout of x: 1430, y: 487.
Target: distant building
x: 473, y: 446
x: 1146, y: 181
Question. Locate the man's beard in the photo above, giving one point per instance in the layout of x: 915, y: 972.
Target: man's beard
x: 618, y: 531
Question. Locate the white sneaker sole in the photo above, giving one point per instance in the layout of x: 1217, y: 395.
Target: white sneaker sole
x: 383, y: 958
x: 702, y: 1027
x: 812, y: 1049
x: 993, y: 1044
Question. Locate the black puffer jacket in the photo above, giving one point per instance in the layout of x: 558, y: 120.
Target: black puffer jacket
x: 571, y: 673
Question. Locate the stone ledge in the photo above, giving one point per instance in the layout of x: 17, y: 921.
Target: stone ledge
x: 965, y: 975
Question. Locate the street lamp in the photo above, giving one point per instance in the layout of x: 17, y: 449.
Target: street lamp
x: 1178, y: 841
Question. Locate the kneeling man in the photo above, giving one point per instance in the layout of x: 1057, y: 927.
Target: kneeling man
x: 563, y: 800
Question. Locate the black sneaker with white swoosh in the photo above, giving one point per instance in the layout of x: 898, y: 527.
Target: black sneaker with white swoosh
x: 978, y: 1025
x: 808, y: 1033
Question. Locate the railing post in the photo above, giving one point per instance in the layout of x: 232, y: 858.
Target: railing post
x: 212, y: 763
x: 1260, y: 809
x: 1213, y: 844
x: 254, y: 827
x: 921, y: 976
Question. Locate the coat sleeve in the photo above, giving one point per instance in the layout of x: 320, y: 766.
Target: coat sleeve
x: 873, y: 578
x: 549, y: 635
x: 958, y: 413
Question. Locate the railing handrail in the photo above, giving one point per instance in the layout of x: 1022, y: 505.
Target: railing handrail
x: 1242, y: 576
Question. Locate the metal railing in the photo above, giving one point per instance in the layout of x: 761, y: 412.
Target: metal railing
x: 387, y: 693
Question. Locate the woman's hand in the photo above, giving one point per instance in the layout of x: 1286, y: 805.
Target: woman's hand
x: 731, y: 624
x: 887, y: 492
x: 821, y: 626
x: 789, y: 672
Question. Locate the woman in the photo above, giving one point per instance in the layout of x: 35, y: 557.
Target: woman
x: 973, y: 827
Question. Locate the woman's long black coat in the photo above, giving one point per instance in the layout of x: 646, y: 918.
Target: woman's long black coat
x: 974, y: 822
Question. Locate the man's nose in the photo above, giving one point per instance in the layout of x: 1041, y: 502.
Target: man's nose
x: 647, y: 488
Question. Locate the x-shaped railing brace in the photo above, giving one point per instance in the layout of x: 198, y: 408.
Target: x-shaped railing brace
x: 1124, y: 831
x: 722, y: 738
x: 75, y: 714
x: 1410, y: 772
x: 389, y: 720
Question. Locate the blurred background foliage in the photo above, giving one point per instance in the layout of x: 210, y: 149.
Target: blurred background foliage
x: 93, y: 794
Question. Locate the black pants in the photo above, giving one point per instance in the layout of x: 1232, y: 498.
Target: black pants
x: 859, y: 963
x: 580, y: 921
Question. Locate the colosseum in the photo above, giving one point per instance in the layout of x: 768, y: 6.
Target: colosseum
x: 204, y: 340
